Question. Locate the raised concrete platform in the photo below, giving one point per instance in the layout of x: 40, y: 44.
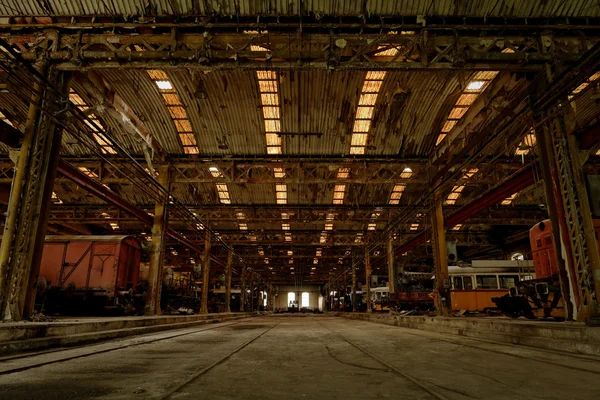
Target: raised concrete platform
x: 562, y: 336
x: 28, y: 336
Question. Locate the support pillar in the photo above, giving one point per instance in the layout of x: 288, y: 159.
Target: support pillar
x: 390, y: 262
x: 251, y: 292
x: 440, y: 252
x: 157, y: 249
x: 31, y: 192
x: 354, y: 309
x: 557, y: 221
x: 243, y: 289
x: 205, y: 273
x: 572, y: 220
x: 228, y: 282
x: 368, y: 277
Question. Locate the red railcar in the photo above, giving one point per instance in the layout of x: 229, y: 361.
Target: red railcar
x: 100, y: 269
x: 540, y: 297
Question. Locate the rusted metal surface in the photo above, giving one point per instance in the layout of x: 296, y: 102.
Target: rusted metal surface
x: 322, y: 8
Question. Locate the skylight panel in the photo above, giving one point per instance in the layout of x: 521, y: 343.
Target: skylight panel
x: 364, y: 112
x: 406, y: 173
x: 268, y: 88
x: 176, y: 111
x: 164, y: 85
x: 473, y: 89
x: 397, y: 193
x: 93, y: 123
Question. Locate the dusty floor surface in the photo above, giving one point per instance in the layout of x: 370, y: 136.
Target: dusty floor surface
x: 300, y: 357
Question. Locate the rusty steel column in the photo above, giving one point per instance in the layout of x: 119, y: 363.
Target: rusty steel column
x: 354, y: 284
x: 572, y: 213
x: 205, y: 272
x: 440, y: 252
x: 368, y: 277
x: 157, y: 249
x: 243, y: 289
x: 228, y: 282
x: 251, y: 291
x: 27, y: 220
x: 556, y: 215
x: 390, y: 262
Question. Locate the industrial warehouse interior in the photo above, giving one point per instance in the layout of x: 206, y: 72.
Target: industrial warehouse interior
x: 300, y: 199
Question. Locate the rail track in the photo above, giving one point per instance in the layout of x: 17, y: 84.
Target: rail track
x: 98, y: 348
x: 221, y: 360
x: 390, y: 367
x: 507, y: 353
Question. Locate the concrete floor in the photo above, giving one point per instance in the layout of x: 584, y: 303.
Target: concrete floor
x: 301, y: 357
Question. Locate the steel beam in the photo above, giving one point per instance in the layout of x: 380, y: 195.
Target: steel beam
x: 426, y: 49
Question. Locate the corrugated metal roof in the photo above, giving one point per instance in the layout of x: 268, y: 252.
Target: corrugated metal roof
x: 321, y: 8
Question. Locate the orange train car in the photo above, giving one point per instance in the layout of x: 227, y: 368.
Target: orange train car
x: 474, y: 287
x: 101, y: 270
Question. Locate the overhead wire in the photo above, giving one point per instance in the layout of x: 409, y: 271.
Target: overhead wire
x: 83, y: 128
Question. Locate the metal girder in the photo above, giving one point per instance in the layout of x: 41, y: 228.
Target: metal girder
x: 515, y: 183
x: 295, y: 169
x: 502, y: 215
x: 426, y: 49
x: 580, y: 245
x: 333, y: 239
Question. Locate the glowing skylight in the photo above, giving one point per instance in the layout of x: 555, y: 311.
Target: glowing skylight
x: 397, y: 193
x: 526, y: 145
x: 585, y: 84
x: 364, y: 111
x: 215, y: 172
x: 56, y: 199
x: 88, y: 172
x: 3, y: 118
x: 268, y: 87
x: 508, y: 201
x: 281, y: 193
x: 474, y: 88
x: 457, y: 190
x: 176, y: 110
x: 223, y: 193
x: 93, y: 124
x: 339, y: 191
